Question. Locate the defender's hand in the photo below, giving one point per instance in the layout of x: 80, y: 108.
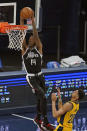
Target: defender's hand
x: 53, y: 97
x: 58, y: 93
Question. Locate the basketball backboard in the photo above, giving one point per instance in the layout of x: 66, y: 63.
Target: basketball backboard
x: 10, y: 12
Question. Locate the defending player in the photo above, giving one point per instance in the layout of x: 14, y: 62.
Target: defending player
x: 66, y: 113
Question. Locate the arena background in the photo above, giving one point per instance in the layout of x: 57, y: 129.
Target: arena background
x: 63, y: 32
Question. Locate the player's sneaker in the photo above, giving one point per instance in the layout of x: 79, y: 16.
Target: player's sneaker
x: 38, y: 122
x: 48, y: 127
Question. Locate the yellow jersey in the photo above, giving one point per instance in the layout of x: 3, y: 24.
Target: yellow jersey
x: 66, y: 121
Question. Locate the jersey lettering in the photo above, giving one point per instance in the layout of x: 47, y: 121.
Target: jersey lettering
x: 71, y: 118
x: 32, y: 55
x: 33, y: 62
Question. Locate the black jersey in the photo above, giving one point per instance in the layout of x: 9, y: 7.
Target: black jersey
x: 32, y: 60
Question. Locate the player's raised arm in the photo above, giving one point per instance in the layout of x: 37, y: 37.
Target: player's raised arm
x: 56, y: 113
x: 24, y: 44
x: 59, y: 99
x: 36, y: 36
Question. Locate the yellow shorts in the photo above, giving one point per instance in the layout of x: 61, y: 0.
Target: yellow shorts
x: 61, y: 128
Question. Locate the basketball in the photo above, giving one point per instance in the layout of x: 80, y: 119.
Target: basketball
x: 26, y: 13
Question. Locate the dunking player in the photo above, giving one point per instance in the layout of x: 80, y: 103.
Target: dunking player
x: 32, y: 56
x: 66, y: 113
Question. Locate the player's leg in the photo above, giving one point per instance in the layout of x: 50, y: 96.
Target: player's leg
x: 40, y: 84
x: 43, y: 101
x: 33, y: 84
x: 43, y: 104
x: 38, y: 109
x: 45, y: 125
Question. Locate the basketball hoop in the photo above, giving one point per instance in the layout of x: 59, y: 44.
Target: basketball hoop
x: 16, y: 35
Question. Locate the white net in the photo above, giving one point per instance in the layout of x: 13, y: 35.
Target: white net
x: 16, y: 38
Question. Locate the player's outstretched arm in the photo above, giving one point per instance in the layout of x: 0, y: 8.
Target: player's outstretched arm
x: 56, y: 113
x: 24, y: 45
x: 21, y: 21
x: 36, y: 36
x: 59, y: 99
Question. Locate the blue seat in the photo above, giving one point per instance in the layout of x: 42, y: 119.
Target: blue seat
x: 53, y: 64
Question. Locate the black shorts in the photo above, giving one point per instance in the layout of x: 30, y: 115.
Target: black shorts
x: 37, y: 83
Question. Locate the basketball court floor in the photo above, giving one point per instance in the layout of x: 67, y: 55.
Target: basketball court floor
x: 24, y: 121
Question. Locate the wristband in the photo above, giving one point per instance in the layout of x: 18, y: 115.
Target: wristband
x: 59, y: 97
x: 60, y: 100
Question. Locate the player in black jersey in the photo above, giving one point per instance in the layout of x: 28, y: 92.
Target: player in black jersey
x: 32, y: 56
